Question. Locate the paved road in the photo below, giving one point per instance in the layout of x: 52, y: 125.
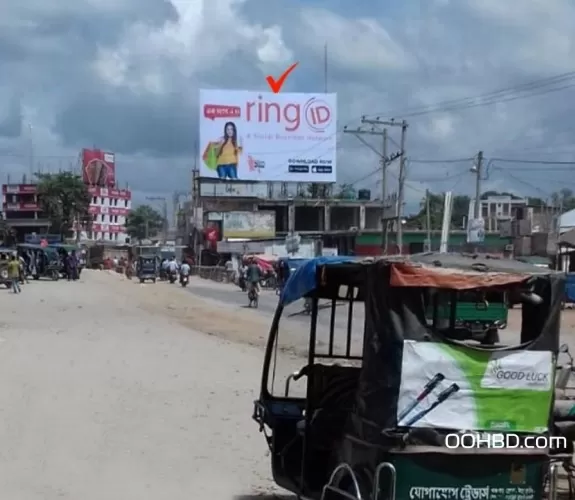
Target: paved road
x: 232, y: 296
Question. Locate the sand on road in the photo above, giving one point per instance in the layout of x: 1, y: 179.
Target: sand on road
x: 109, y: 391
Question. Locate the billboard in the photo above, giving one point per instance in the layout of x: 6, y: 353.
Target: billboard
x: 98, y: 168
x: 233, y: 189
x: 249, y: 224
x: 261, y: 136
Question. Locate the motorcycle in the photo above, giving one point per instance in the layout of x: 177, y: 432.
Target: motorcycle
x: 172, y: 277
x: 184, y: 281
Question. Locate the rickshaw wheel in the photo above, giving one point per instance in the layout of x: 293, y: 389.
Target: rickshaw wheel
x: 141, y: 280
x: 36, y: 277
x: 55, y: 275
x: 154, y: 280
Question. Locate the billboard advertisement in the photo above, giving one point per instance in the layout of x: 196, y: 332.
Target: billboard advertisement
x: 261, y: 136
x: 249, y: 224
x: 98, y: 168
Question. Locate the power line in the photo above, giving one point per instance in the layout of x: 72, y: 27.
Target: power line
x: 501, y: 95
x: 534, y: 162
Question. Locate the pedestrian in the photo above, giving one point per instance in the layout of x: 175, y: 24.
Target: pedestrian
x: 14, y: 273
x: 23, y: 269
x: 72, y: 266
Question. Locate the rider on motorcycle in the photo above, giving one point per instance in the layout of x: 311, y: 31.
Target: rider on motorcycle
x: 253, y: 276
x: 173, y: 267
x: 184, y: 270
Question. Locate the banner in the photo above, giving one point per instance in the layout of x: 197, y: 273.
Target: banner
x: 460, y: 388
x: 249, y: 224
x: 98, y: 168
x: 268, y: 137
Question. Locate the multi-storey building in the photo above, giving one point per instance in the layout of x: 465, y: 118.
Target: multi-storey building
x: 109, y: 208
x: 21, y: 210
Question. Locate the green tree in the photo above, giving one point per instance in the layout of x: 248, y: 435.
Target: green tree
x: 564, y: 199
x: 346, y: 192
x: 143, y: 222
x: 436, y: 203
x: 65, y: 200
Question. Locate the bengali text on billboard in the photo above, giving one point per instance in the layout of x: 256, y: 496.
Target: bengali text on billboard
x: 98, y: 168
x: 261, y: 136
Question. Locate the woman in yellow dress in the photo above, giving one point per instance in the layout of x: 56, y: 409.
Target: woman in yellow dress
x: 229, y: 153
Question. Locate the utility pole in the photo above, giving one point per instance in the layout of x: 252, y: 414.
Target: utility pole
x: 401, y: 189
x: 478, y: 179
x: 427, y: 221
x: 385, y: 161
x: 384, y: 224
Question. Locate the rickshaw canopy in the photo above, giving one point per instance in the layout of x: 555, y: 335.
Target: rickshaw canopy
x: 304, y: 279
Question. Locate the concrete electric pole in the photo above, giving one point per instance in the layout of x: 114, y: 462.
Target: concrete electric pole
x: 385, y: 162
x: 478, y: 170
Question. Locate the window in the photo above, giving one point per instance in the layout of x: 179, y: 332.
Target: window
x: 95, y: 200
x: 505, y: 210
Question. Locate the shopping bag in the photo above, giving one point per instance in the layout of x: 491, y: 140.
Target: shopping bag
x: 210, y: 156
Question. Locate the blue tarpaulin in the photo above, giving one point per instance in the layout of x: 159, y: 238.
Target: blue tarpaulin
x: 570, y: 287
x: 303, y: 280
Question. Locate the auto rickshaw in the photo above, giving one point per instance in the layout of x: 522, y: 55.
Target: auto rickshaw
x: 47, y: 261
x: 478, y: 315
x: 147, y: 268
x: 380, y: 398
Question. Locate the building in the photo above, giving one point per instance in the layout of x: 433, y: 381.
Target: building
x: 109, y: 208
x: 496, y: 209
x: 21, y: 210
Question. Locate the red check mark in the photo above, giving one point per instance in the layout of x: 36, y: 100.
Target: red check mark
x: 276, y: 85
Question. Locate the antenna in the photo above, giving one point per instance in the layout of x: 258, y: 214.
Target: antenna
x: 325, y: 67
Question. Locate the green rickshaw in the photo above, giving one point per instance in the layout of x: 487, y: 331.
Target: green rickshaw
x: 479, y: 315
x: 389, y: 409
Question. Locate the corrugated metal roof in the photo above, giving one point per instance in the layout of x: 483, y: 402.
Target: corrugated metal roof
x: 567, y: 221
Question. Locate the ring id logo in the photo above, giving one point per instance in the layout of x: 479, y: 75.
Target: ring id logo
x: 317, y: 114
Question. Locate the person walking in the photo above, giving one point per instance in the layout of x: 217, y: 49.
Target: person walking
x: 14, y: 273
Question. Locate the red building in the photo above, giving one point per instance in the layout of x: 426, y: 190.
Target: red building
x: 20, y: 208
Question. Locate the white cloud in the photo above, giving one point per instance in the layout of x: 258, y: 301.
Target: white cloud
x: 353, y: 43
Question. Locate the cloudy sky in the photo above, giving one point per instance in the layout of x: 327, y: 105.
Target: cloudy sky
x: 123, y: 75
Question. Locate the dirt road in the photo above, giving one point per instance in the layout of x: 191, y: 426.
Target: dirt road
x: 107, y: 393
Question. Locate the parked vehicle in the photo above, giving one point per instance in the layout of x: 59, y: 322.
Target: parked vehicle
x: 370, y: 416
x: 47, y: 261
x: 479, y: 315
x: 147, y: 268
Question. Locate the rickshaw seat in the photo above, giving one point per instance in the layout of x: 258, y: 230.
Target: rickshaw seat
x: 332, y: 397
